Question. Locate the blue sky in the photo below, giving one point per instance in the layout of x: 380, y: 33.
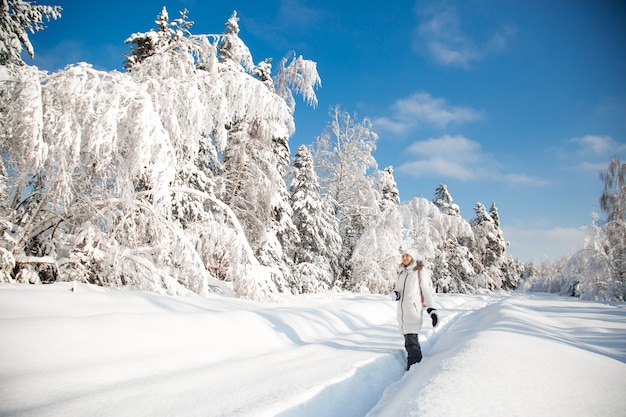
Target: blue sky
x: 518, y: 102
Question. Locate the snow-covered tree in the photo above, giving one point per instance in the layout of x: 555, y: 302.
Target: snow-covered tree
x: 489, y: 247
x: 96, y: 156
x: 545, y: 277
x: 316, y: 257
x: 375, y: 256
x: 377, y: 253
x: 17, y: 18
x: 598, y: 271
x: 256, y: 156
x: 453, y: 268
x: 116, y: 178
x: 168, y: 35
x: 343, y: 157
x: 297, y: 75
x: 231, y: 48
x: 388, y: 188
x: 613, y: 203
x: 444, y: 201
x: 427, y: 228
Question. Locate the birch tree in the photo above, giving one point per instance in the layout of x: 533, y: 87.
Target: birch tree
x: 613, y: 203
x: 347, y: 167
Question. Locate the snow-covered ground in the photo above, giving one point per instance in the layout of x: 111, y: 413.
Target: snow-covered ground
x: 104, y: 352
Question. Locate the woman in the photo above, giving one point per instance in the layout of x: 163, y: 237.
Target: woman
x: 413, y: 292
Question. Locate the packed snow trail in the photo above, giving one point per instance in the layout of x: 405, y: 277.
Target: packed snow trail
x: 526, y: 355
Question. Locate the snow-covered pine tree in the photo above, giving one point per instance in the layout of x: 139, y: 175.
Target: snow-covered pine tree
x: 231, y: 48
x: 253, y: 185
x: 444, y: 201
x: 147, y: 44
x: 453, y: 268
x: 347, y: 167
x: 281, y: 235
x: 489, y: 249
x: 388, y: 188
x: 493, y: 212
x: 316, y: 257
x: 256, y: 156
x: 17, y: 18
x: 510, y: 269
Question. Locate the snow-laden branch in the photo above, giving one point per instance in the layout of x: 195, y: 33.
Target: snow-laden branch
x: 227, y: 210
x: 257, y: 281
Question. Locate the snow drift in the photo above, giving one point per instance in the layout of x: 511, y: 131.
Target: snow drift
x: 77, y: 349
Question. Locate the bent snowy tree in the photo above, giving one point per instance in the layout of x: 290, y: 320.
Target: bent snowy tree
x: 90, y: 157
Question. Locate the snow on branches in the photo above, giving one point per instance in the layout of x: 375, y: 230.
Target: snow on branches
x: 171, y: 177
x: 117, y: 178
x: 17, y: 18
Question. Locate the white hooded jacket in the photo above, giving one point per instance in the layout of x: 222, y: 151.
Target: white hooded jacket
x: 415, y: 293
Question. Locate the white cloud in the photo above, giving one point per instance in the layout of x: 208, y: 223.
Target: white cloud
x: 445, y: 41
x: 441, y: 32
x: 598, y: 145
x: 388, y: 125
x: 423, y: 109
x: 500, y: 40
x: 449, y: 157
x: 589, y: 153
x: 296, y: 14
x: 523, y: 179
x: 458, y: 157
x: 593, y: 166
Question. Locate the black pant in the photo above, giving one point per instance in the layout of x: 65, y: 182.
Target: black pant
x: 412, y: 346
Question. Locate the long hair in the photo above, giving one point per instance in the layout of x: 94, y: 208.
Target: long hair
x: 418, y: 265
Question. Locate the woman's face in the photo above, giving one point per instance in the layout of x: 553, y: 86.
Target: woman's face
x: 406, y: 259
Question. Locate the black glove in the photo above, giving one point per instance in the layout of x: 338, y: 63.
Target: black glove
x: 433, y: 316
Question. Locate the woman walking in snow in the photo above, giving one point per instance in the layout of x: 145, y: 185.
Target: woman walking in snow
x: 413, y: 292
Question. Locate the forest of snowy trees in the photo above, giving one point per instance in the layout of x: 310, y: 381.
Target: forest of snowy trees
x: 598, y: 270
x: 177, y: 174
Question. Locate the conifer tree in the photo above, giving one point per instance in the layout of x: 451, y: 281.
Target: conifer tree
x: 444, y: 201
x: 231, y: 48
x: 168, y: 35
x: 489, y: 247
x: 453, y: 268
x: 388, y: 188
x: 17, y: 18
x: 256, y: 154
x: 316, y: 257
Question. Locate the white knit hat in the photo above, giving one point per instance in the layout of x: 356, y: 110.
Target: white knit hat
x: 413, y: 252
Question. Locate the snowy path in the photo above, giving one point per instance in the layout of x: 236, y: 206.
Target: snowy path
x: 522, y: 355
x: 100, y: 352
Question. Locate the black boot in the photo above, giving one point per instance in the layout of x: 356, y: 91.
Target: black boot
x: 414, y: 352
